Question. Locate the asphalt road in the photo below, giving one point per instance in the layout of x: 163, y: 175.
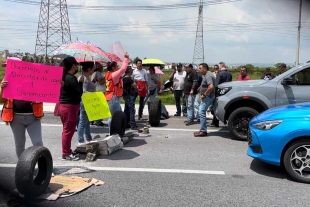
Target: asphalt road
x: 169, y: 168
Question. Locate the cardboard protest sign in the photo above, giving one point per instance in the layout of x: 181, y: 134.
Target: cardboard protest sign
x: 96, y: 106
x: 32, y: 82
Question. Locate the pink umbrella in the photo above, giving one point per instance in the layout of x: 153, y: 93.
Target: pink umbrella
x: 113, y: 57
x: 157, y: 71
x: 83, y: 51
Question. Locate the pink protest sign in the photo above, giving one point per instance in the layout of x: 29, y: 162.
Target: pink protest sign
x: 32, y: 81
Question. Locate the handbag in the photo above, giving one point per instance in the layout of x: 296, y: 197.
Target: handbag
x: 57, y: 110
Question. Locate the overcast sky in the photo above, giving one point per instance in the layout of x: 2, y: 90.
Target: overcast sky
x: 248, y: 31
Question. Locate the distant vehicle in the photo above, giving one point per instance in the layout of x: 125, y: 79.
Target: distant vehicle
x: 238, y: 102
x: 281, y: 136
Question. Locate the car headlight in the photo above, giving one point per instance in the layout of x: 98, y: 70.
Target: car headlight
x: 267, y: 125
x: 223, y: 91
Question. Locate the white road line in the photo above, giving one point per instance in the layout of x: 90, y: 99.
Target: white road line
x: 152, y: 129
x: 121, y: 169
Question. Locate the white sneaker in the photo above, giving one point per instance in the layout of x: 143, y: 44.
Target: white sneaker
x: 70, y: 158
x: 80, y: 144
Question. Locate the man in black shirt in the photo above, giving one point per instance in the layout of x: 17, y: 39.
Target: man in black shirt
x: 129, y: 92
x: 268, y: 75
x: 223, y: 76
x: 190, y: 92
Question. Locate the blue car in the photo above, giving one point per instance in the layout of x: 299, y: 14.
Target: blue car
x: 281, y: 136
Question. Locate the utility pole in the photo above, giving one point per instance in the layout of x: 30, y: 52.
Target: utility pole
x: 198, y: 56
x: 298, y: 35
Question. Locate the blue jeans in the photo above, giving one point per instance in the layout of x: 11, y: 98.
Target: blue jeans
x: 130, y: 109
x: 114, y: 106
x: 196, y: 106
x: 84, y: 125
x: 205, y: 103
x: 190, y: 101
x: 177, y: 97
x: 151, y: 97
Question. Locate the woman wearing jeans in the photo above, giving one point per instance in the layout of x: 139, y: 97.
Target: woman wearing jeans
x: 22, y: 116
x: 114, y: 83
x: 88, y: 86
x: 70, y: 98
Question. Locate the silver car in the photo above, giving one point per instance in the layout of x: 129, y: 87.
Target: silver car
x: 238, y: 102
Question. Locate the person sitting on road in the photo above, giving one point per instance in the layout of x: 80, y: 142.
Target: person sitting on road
x: 243, y: 74
x: 88, y: 86
x: 114, y: 85
x: 129, y: 93
x: 21, y: 116
x: 70, y: 98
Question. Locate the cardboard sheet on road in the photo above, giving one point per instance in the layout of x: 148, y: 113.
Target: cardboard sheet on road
x: 63, y: 186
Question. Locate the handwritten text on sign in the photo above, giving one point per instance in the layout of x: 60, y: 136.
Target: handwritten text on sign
x: 32, y: 81
x: 96, y: 106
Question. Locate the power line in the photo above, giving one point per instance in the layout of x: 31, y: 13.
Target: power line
x: 131, y: 8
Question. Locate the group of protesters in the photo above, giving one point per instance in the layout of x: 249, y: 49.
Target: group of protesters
x: 118, y: 82
x: 195, y: 87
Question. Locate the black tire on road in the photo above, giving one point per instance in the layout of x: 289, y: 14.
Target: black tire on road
x: 238, y: 122
x: 155, y: 112
x: 27, y: 183
x: 118, y: 123
x: 287, y: 160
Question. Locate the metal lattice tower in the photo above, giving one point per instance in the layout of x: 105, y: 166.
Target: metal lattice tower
x: 199, y: 48
x: 53, y: 26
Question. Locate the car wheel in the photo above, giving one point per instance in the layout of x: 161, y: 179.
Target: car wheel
x: 29, y: 181
x: 296, y: 161
x: 118, y: 124
x: 238, y: 122
x: 155, y: 112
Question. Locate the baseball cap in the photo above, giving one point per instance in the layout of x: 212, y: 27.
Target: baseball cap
x: 189, y: 66
x: 179, y: 65
x: 11, y: 58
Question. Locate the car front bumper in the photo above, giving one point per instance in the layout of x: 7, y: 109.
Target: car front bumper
x: 219, y: 108
x: 260, y: 146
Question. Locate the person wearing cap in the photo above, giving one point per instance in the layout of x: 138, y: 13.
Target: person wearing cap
x: 99, y: 79
x: 268, y: 75
x: 21, y: 116
x: 178, y: 77
x: 190, y: 91
x: 69, y: 105
x: 282, y: 68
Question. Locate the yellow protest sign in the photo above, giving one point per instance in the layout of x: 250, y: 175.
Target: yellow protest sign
x: 96, y: 106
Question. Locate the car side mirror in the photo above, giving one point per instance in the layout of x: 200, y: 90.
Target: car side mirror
x: 287, y: 81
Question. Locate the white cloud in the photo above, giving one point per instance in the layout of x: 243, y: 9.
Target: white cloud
x: 233, y: 32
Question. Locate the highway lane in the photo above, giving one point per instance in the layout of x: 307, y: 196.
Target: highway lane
x: 169, y: 168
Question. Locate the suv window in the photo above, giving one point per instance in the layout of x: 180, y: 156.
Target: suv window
x: 301, y: 78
